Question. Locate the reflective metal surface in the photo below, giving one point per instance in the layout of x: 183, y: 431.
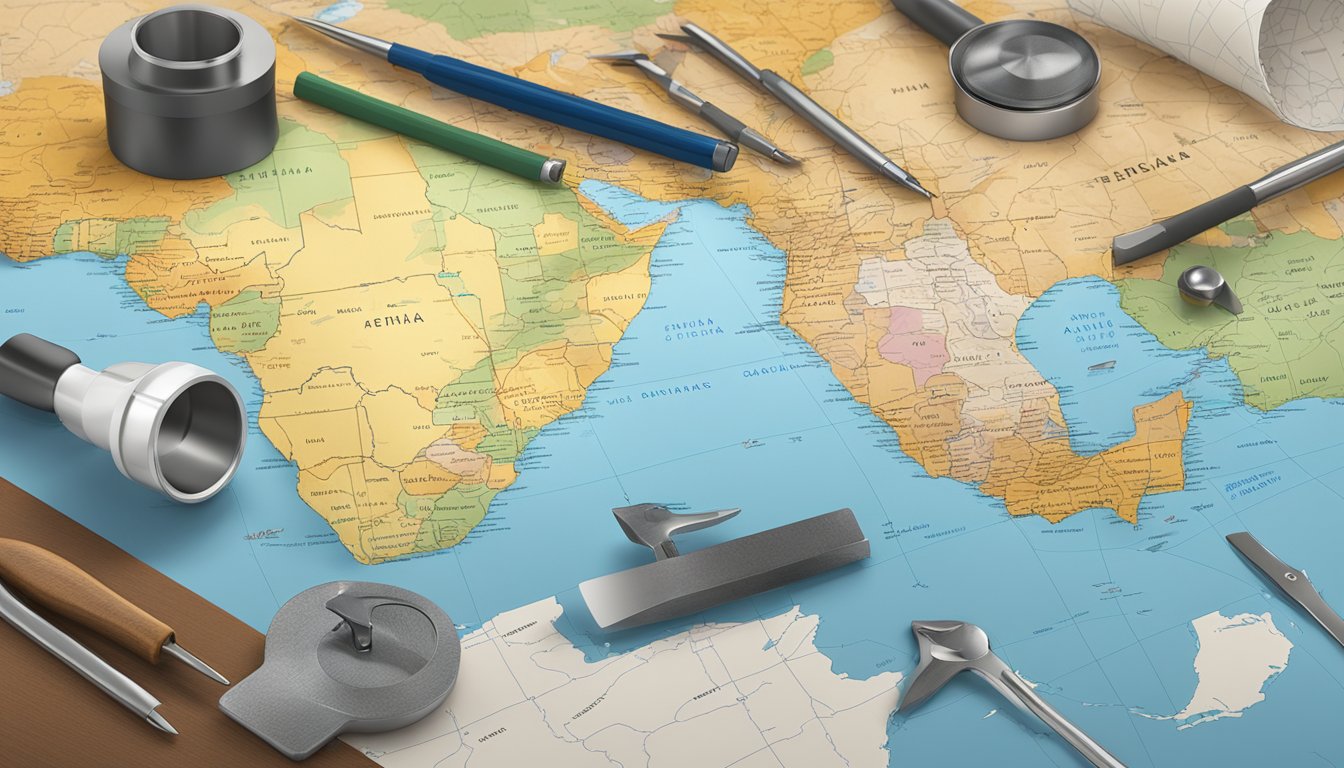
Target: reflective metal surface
x: 1025, y: 64
x: 175, y: 427
x: 681, y: 584
x: 947, y: 648
x: 82, y: 660
x: 189, y: 92
x: 1203, y: 286
x: 1293, y: 582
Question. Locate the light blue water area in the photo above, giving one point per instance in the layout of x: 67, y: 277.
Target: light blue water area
x: 709, y: 403
x: 1277, y: 474
x: 338, y: 12
x: 1088, y: 345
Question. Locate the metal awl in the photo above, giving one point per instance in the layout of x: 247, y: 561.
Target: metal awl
x: 802, y: 105
x: 727, y: 124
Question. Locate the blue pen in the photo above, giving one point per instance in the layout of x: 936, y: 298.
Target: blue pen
x: 544, y: 103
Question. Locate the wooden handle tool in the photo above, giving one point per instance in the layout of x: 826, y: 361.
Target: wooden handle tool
x: 65, y: 589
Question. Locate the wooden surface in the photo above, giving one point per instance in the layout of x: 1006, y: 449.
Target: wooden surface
x: 50, y: 716
x: 50, y: 582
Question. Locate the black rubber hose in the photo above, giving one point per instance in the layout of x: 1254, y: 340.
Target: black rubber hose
x: 30, y: 368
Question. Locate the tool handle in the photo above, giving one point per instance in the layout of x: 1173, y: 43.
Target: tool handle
x: 1183, y: 226
x: 729, y: 125
x: 483, y: 149
x: 565, y: 109
x: 944, y: 20
x: 1094, y: 752
x: 30, y: 368
x: 63, y: 588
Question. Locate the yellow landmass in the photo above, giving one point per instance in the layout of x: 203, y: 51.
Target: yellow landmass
x: 399, y: 428
x: 541, y: 387
x: 177, y: 278
x: 556, y: 233
x: 369, y: 330
x: 617, y: 298
x: 55, y: 167
x: 1046, y: 478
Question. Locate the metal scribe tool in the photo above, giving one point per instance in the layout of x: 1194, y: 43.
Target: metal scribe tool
x: 82, y: 660
x: 1293, y: 582
x: 727, y: 124
x: 949, y: 647
x: 67, y: 590
x: 803, y: 105
x: 676, y: 585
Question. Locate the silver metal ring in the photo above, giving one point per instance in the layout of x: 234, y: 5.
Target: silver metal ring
x: 189, y: 92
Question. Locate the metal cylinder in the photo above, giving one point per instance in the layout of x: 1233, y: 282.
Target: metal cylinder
x: 189, y: 92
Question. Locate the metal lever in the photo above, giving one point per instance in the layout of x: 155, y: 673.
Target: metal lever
x: 356, y: 612
x: 653, y: 525
x: 1013, y: 686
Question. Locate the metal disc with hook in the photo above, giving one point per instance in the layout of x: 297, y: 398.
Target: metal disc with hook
x: 391, y: 659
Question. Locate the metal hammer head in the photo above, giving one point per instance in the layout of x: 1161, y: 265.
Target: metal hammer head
x: 653, y: 525
x: 945, y: 648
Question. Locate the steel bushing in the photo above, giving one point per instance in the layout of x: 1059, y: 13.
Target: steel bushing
x: 189, y: 92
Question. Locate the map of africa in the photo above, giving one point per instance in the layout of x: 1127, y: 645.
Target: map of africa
x: 455, y: 375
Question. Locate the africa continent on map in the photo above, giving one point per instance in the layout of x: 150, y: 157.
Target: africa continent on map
x: 414, y: 319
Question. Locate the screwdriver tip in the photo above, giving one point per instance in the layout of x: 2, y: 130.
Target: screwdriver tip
x: 156, y: 720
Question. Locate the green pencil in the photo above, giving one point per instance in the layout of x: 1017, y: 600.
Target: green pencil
x: 484, y: 149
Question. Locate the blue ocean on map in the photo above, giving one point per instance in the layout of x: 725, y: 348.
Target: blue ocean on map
x: 710, y: 402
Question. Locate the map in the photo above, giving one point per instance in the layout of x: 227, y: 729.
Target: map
x: 454, y: 376
x: 1286, y: 54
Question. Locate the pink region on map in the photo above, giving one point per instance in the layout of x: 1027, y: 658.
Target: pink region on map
x: 907, y: 343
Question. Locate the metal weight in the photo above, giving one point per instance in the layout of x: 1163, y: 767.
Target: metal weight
x: 189, y: 92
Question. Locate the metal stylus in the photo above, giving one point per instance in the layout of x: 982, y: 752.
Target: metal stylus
x: 82, y: 660
x: 1183, y: 226
x: 727, y: 124
x: 802, y: 104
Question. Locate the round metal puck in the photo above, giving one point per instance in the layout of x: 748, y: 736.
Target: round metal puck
x: 1025, y: 64
x: 189, y: 92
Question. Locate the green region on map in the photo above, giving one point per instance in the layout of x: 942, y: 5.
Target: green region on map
x: 1286, y: 344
